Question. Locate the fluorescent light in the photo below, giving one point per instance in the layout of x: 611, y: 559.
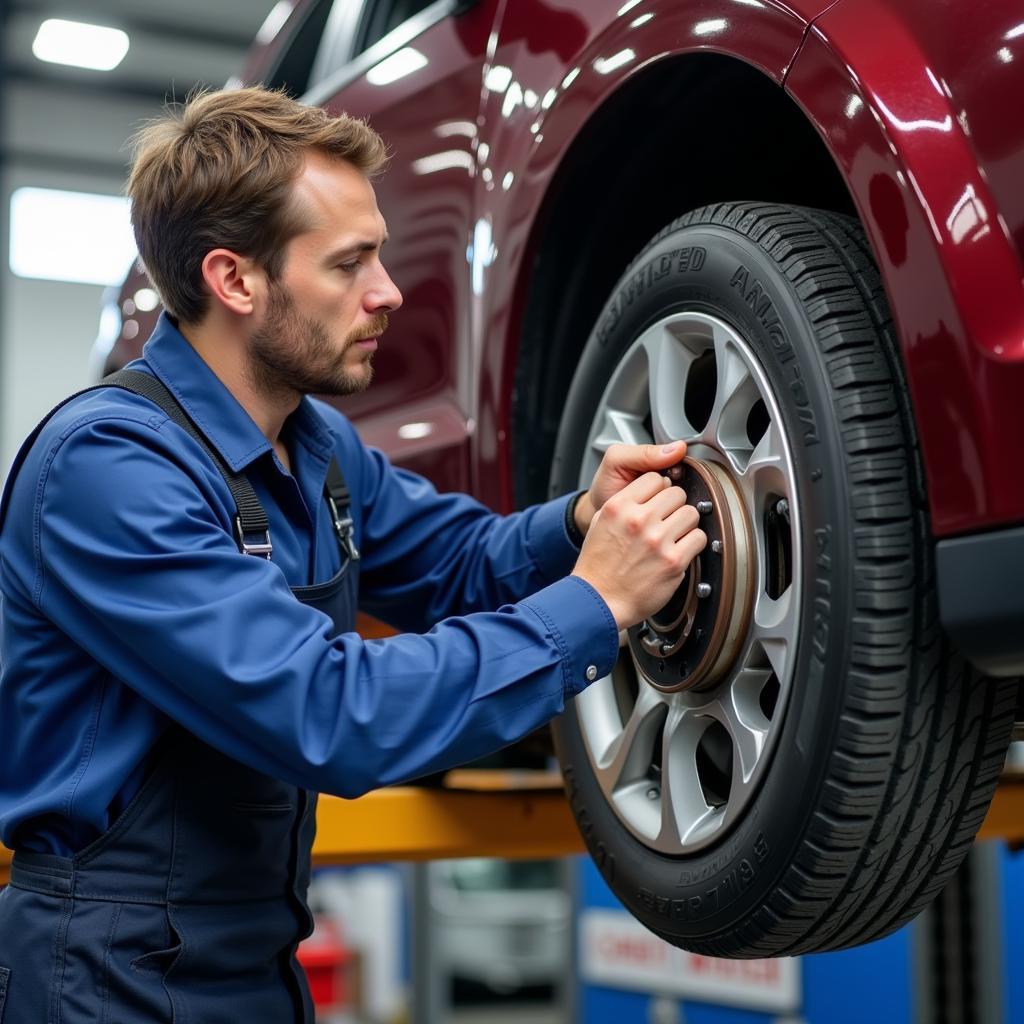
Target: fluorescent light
x: 606, y: 65
x: 80, y: 45
x: 414, y: 431
x: 274, y: 20
x: 401, y: 63
x: 642, y: 20
x: 711, y: 27
x: 451, y: 159
x: 70, y: 236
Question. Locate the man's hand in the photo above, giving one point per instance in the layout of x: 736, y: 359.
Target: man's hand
x: 638, y: 547
x: 621, y: 465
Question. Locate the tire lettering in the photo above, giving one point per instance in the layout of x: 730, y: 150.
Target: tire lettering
x: 761, y: 848
x: 690, y: 258
x: 753, y: 292
x: 729, y: 888
x: 822, y: 540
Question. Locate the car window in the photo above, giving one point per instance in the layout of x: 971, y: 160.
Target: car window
x: 293, y: 69
x: 383, y: 16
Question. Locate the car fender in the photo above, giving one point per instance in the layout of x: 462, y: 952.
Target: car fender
x: 898, y: 103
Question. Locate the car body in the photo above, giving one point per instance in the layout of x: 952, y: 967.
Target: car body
x: 536, y: 146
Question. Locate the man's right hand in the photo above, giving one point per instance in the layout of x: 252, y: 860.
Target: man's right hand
x: 638, y: 547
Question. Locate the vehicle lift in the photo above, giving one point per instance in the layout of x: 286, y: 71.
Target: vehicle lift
x: 513, y: 814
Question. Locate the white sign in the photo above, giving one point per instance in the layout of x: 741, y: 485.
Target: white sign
x: 617, y: 951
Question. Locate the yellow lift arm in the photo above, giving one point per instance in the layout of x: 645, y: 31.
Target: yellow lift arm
x: 516, y: 815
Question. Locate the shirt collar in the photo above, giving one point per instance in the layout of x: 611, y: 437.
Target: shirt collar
x: 217, y: 413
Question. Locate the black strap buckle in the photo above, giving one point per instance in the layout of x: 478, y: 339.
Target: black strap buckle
x: 265, y: 548
x: 344, y: 528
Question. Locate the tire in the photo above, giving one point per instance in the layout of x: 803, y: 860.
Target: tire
x: 820, y: 790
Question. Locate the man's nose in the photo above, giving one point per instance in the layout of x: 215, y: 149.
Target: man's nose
x: 384, y: 297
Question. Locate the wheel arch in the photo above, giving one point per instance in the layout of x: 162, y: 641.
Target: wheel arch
x: 754, y: 143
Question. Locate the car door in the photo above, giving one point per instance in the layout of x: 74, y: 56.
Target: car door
x: 416, y: 77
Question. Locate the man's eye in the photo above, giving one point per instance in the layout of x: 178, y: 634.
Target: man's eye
x: 349, y: 268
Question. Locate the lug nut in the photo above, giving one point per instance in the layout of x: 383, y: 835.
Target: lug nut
x: 782, y: 508
x: 666, y: 646
x: 716, y: 546
x: 703, y: 589
x: 653, y: 793
x: 705, y: 508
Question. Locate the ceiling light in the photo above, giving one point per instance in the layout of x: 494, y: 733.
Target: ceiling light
x: 398, y: 65
x: 80, y: 45
x: 70, y: 236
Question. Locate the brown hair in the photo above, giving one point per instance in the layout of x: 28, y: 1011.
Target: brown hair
x: 217, y: 173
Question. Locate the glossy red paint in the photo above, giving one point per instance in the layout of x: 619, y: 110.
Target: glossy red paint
x: 910, y: 103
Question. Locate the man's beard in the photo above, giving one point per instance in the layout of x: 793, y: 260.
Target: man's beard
x: 294, y: 353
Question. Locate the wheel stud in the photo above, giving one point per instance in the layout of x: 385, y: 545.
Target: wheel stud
x: 653, y: 793
x: 666, y: 646
x: 782, y: 508
x: 705, y: 508
x: 703, y: 589
x: 716, y: 546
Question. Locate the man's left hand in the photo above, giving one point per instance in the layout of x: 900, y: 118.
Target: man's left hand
x: 621, y: 465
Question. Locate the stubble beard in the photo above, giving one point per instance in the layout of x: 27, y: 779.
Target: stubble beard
x: 292, y: 353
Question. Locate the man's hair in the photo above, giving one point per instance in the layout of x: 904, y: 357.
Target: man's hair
x: 217, y: 173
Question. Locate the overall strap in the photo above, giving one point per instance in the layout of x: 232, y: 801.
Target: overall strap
x: 252, y: 528
x: 339, y: 499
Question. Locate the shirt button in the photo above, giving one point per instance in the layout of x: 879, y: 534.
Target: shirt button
x: 591, y: 672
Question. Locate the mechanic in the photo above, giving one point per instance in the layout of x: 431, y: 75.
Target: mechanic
x: 183, y: 551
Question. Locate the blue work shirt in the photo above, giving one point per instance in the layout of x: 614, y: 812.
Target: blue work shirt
x: 126, y: 605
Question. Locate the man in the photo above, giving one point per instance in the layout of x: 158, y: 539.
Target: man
x: 182, y: 555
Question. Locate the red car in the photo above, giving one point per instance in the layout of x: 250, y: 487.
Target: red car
x: 790, y: 232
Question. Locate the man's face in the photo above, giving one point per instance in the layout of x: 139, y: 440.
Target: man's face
x: 325, y: 314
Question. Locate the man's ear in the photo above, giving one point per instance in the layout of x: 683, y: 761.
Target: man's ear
x: 234, y: 281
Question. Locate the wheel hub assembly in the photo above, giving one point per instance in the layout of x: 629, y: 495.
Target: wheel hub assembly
x: 692, y: 642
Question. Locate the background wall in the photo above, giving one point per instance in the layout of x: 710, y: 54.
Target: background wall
x: 68, y: 128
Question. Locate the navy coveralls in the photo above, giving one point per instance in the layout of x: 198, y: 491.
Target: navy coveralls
x: 167, y: 705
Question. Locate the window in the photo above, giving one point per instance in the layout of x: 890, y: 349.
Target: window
x: 295, y: 65
x: 385, y: 15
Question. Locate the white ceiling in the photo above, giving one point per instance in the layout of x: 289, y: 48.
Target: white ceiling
x: 60, y: 120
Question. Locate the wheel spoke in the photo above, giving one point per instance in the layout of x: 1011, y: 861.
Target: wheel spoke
x: 735, y: 394
x: 668, y: 362
x: 684, y: 811
x: 740, y: 712
x: 629, y: 756
x: 768, y: 454
x: 774, y: 628
x: 620, y: 427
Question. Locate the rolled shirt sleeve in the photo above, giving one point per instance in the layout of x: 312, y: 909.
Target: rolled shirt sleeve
x: 142, y: 573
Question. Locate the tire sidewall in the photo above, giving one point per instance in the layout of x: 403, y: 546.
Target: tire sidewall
x: 719, y: 271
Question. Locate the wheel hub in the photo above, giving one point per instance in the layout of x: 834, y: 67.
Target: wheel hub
x: 693, y: 641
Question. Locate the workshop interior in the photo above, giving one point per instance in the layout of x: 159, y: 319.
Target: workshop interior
x: 787, y: 232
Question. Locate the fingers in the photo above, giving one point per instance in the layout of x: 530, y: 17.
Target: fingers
x: 691, y: 545
x: 681, y: 522
x: 669, y: 500
x: 642, y: 489
x: 640, y: 457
